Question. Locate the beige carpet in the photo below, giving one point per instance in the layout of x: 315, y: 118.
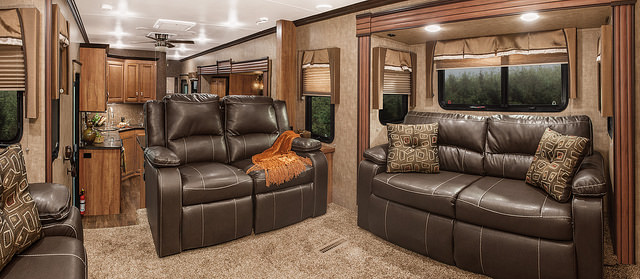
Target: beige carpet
x: 292, y: 252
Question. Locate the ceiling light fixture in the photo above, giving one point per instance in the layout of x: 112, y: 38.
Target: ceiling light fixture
x: 262, y: 20
x: 529, y: 17
x: 118, y: 44
x: 324, y: 7
x: 433, y: 28
x: 106, y: 7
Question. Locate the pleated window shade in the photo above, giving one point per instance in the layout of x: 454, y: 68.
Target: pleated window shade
x: 397, y: 82
x: 316, y: 80
x: 12, y: 70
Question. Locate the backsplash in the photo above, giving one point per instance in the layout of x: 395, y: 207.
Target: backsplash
x: 132, y: 113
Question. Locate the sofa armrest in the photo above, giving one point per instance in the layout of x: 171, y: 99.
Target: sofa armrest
x: 71, y: 226
x: 161, y: 157
x: 320, y: 180
x: 377, y: 154
x: 53, y: 201
x: 163, y: 198
x: 590, y: 180
x: 305, y: 145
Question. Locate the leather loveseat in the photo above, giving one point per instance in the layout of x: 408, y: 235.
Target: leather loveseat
x: 478, y: 213
x: 60, y: 252
x: 197, y: 190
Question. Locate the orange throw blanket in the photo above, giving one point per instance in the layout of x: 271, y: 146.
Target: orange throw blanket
x: 279, y: 163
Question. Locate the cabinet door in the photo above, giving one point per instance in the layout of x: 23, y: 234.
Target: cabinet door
x: 131, y: 90
x: 140, y: 158
x: 100, y: 178
x: 115, y: 81
x: 130, y: 155
x: 147, y: 75
x: 93, y: 87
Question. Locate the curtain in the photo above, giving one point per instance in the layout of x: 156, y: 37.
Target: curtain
x: 393, y: 73
x: 320, y: 71
x: 12, y: 64
x: 430, y: 49
x: 31, y: 35
x: 572, y: 49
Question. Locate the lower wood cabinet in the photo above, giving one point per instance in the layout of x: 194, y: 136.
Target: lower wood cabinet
x: 133, y: 160
x: 100, y: 178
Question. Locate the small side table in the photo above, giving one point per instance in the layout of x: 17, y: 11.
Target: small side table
x: 328, y: 150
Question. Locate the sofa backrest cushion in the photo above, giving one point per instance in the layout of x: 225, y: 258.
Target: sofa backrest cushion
x: 251, y: 125
x: 512, y: 140
x: 461, y: 139
x: 281, y: 115
x: 193, y: 125
x: 154, y: 123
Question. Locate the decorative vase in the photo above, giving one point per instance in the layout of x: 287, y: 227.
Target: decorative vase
x: 89, y: 135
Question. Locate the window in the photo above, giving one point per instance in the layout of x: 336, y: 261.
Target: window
x: 10, y: 117
x: 541, y: 88
x: 393, y: 87
x: 319, y: 118
x: 395, y: 108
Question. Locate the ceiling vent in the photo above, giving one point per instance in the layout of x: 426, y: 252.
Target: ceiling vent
x: 173, y: 25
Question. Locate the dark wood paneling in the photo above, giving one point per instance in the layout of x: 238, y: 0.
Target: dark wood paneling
x: 47, y: 94
x: 624, y: 131
x: 286, y: 65
x: 364, y: 107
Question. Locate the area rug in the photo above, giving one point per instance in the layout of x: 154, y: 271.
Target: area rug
x: 330, y: 246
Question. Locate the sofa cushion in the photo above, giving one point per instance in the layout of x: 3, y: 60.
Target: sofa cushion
x: 413, y: 148
x: 260, y: 184
x: 513, y: 206
x: 512, y: 140
x: 209, y: 181
x: 434, y: 193
x: 456, y: 153
x: 50, y: 257
x: 52, y: 200
x: 251, y: 125
x: 555, y: 163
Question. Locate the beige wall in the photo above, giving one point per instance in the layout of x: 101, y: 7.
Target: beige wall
x: 258, y: 48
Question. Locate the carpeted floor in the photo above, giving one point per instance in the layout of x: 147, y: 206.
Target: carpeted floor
x: 292, y: 252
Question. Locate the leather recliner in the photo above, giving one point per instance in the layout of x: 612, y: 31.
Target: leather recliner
x: 60, y: 252
x: 478, y: 213
x: 197, y: 190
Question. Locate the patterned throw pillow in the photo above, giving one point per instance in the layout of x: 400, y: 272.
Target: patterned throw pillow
x: 556, y: 160
x: 413, y: 148
x: 19, y: 212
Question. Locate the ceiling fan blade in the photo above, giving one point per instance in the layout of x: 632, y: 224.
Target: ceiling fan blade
x: 143, y: 42
x: 147, y: 36
x: 181, y: 41
x: 170, y: 45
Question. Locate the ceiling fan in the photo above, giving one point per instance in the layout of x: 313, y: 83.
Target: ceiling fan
x: 162, y: 40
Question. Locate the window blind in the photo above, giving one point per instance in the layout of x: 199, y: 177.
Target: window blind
x: 397, y: 82
x: 320, y: 73
x: 316, y: 80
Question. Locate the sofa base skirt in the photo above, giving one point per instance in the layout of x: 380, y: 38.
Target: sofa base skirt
x: 505, y: 255
x: 216, y: 222
x: 281, y: 208
x: 422, y: 232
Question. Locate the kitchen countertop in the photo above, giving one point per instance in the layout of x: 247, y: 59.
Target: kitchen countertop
x: 116, y: 143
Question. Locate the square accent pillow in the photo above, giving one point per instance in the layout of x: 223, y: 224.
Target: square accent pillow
x: 556, y: 161
x: 18, y: 208
x: 413, y: 148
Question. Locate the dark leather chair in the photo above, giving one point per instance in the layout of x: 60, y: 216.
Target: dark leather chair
x: 478, y: 213
x: 197, y: 190
x: 60, y: 252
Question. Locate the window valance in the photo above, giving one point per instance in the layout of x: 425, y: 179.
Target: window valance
x: 320, y: 73
x: 10, y: 28
x: 393, y: 73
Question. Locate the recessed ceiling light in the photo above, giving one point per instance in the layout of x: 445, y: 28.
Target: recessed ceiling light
x: 262, y: 20
x: 324, y: 7
x: 529, y: 16
x: 433, y: 28
x: 106, y: 7
x: 118, y: 44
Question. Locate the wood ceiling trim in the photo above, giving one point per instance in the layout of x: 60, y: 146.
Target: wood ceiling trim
x: 78, y: 18
x: 467, y: 10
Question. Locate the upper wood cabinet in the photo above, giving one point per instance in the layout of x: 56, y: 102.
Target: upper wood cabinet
x: 93, y: 84
x: 139, y: 81
x: 115, y: 80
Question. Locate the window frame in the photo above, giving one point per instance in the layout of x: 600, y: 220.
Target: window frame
x: 20, y: 120
x: 504, y: 94
x: 405, y: 110
x: 308, y: 112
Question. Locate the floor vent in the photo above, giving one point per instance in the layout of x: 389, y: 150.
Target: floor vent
x: 332, y: 245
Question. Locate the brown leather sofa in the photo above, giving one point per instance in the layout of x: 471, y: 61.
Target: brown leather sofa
x: 197, y: 190
x: 478, y: 213
x: 60, y: 252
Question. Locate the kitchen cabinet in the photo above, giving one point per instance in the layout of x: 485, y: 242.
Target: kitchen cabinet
x: 134, y: 159
x: 115, y: 80
x: 100, y: 178
x: 93, y: 93
x: 139, y: 81
x: 140, y: 158
x: 218, y: 86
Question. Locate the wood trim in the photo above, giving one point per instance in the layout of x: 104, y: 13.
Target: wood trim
x: 451, y: 11
x: 364, y: 106
x: 78, y: 18
x: 353, y: 8
x: 624, y: 131
x: 286, y: 65
x: 244, y: 39
x: 47, y: 95
x: 606, y: 71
